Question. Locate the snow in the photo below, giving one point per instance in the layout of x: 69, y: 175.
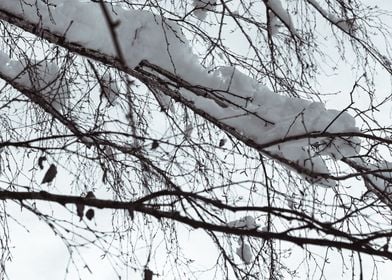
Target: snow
x: 164, y: 101
x: 202, y: 7
x: 244, y: 252
x: 247, y: 222
x: 39, y: 76
x: 347, y: 25
x: 382, y: 181
x: 308, y: 160
x: 250, y: 108
x: 281, y: 14
x: 143, y: 33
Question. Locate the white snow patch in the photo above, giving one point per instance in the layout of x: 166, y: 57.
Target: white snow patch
x: 281, y: 13
x: 252, y: 109
x: 42, y: 77
x: 379, y: 182
x: 348, y: 25
x: 166, y: 102
x: 244, y: 252
x: 247, y: 222
x: 202, y: 7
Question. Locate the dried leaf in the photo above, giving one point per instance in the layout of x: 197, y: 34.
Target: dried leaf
x: 154, y: 144
x: 90, y: 214
x: 80, y: 210
x: 90, y: 194
x: 148, y: 274
x: 50, y: 174
x: 41, y: 162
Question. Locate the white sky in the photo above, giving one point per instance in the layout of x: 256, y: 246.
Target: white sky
x: 39, y: 254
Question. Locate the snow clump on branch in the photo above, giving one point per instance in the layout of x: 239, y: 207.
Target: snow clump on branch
x: 202, y: 7
x: 283, y: 127
x: 41, y: 77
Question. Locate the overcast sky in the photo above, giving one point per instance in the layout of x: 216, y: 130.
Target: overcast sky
x: 39, y: 254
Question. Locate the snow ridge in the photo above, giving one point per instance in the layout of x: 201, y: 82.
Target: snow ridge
x: 253, y: 110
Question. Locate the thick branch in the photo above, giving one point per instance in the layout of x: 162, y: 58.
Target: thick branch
x: 137, y: 207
